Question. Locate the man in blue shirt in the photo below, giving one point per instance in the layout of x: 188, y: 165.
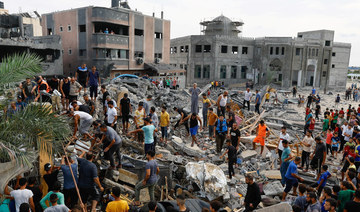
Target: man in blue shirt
x: 257, y: 102
x: 313, y: 91
x: 321, y: 183
x: 285, y: 159
x: 221, y: 131
x: 69, y: 190
x: 292, y: 177
x: 93, y: 80
x: 148, y: 130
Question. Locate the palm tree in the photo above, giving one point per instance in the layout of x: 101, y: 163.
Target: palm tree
x: 30, y: 130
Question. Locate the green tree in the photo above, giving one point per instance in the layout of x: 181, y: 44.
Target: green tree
x: 29, y: 130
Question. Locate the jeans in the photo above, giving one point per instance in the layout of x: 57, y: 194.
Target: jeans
x: 305, y: 159
x: 222, y: 110
x: 164, y: 132
x: 140, y: 186
x: 205, y: 118
x: 257, y: 108
x: 231, y: 167
x: 248, y: 104
x: 71, y: 197
x: 219, y: 142
x: 211, y: 130
x: 115, y: 148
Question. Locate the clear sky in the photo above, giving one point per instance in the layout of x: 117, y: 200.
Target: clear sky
x: 261, y: 17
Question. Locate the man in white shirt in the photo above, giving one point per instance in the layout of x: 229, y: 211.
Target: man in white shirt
x: 247, y: 98
x: 283, y: 136
x: 111, y: 115
x: 306, y: 143
x: 343, y: 128
x: 21, y: 195
x: 106, y: 106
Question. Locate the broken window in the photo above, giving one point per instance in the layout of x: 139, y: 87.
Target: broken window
x: 109, y: 28
x: 69, y: 51
x: 186, y: 48
x: 82, y: 52
x: 198, y: 48
x: 69, y: 28
x: 282, y: 50
x: 123, y: 54
x: 197, y: 72
x: 327, y: 43
x: 277, y: 50
x: 158, y: 35
x: 297, y: 51
x: 280, y: 77
x: 235, y: 50
x: 334, y: 54
x: 175, y: 49
x: 61, y: 28
x: 206, y: 71
x: 243, y: 72
x: 325, y: 61
x: 182, y: 49
x: 138, y: 54
x: 139, y: 32
x: 158, y: 55
x: 324, y: 74
x: 181, y: 66
x: 49, y: 30
x: 244, y: 50
x: 333, y: 66
x: 317, y: 52
x: 82, y: 28
x: 185, y: 67
x: 224, y: 49
x: 233, y: 72
x: 271, y: 50
x: 207, y: 48
x: 223, y: 72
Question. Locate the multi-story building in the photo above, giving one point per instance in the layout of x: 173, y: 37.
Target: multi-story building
x: 116, y: 40
x: 222, y: 54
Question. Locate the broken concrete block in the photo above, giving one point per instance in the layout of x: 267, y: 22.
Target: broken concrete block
x: 273, y: 188
x: 127, y: 177
x: 272, y: 174
x: 194, y: 151
x: 247, y: 154
x: 178, y: 159
x: 248, y: 139
x: 226, y: 197
x: 281, y: 207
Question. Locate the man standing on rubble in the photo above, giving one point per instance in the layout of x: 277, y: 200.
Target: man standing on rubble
x: 234, y: 134
x: 318, y: 157
x: 262, y: 132
x: 194, y: 126
x: 181, y: 121
x: 221, y: 130
x: 194, y: 91
x: 125, y: 111
x: 75, y: 89
x: 93, y: 80
x: 283, y: 136
x: 221, y: 103
x: 206, y: 105
x: 152, y: 171
x: 148, y: 131
x: 291, y: 178
x: 81, y: 75
x: 147, y: 104
x: 247, y: 98
x: 252, y: 197
x: 113, y: 144
x: 139, y: 120
x: 257, y: 102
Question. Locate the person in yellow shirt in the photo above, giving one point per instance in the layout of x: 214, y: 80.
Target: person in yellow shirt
x: 117, y: 205
x: 206, y: 105
x: 212, y: 117
x: 139, y: 121
x: 164, y: 124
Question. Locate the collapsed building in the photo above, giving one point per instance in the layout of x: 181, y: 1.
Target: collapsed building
x: 221, y: 53
x: 22, y: 33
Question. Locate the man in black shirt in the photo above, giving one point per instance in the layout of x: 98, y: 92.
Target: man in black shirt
x: 234, y: 135
x: 231, y: 151
x: 36, y: 191
x: 89, y: 104
x: 83, y: 108
x: 319, y: 155
x: 105, y: 94
x: 354, y: 205
x: 125, y: 111
x: 183, y: 116
x: 317, y: 111
x: 229, y: 116
x: 81, y: 75
x: 51, y: 175
x: 252, y: 197
x: 309, y: 100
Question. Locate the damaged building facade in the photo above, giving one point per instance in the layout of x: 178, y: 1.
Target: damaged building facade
x: 222, y: 54
x: 116, y: 40
x: 22, y: 33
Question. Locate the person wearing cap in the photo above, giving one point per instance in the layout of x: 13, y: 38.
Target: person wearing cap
x: 93, y: 81
x: 139, y: 116
x: 195, y: 91
x: 194, y: 126
x: 262, y: 132
x: 29, y: 90
x: 59, y: 196
x: 148, y: 131
x: 55, y: 98
x: 50, y: 176
x: 81, y: 75
x: 43, y: 90
x: 54, y: 199
x: 89, y: 103
x: 117, y: 205
x: 112, y: 145
x: 20, y: 105
x: 75, y: 89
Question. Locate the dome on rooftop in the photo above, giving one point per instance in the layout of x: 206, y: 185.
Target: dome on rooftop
x: 222, y: 25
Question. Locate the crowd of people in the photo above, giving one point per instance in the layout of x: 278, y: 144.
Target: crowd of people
x: 340, y: 136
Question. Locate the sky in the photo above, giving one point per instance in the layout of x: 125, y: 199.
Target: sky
x: 261, y: 17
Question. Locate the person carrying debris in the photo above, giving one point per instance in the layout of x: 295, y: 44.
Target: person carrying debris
x: 112, y: 146
x: 152, y: 171
x: 292, y: 178
x: 181, y: 121
x: 195, y: 91
x: 148, y: 131
x: 206, y: 105
x: 262, y: 132
x: 221, y: 130
x: 231, y: 151
x: 194, y: 126
x: 253, y: 195
x: 82, y: 121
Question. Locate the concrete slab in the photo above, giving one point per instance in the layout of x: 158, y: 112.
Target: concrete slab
x: 273, y: 188
x: 272, y: 174
x: 247, y: 154
x: 281, y: 207
x: 128, y: 177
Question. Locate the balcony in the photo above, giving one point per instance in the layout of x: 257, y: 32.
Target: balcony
x: 102, y: 39
x: 101, y: 13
